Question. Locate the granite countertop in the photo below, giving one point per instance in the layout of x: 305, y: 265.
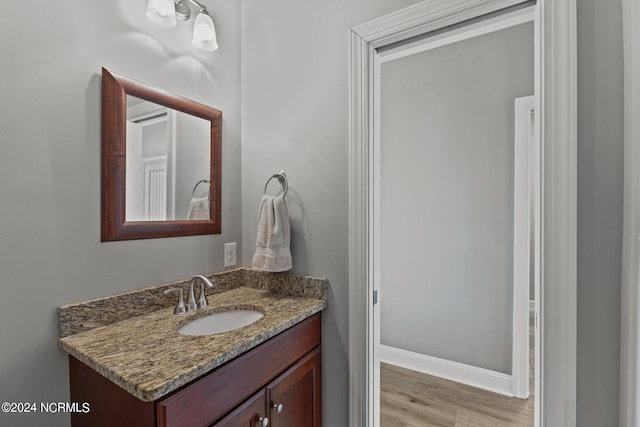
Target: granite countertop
x: 146, y: 355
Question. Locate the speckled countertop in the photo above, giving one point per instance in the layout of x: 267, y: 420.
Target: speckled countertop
x: 145, y: 355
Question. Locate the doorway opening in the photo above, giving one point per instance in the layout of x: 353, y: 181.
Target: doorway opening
x: 453, y: 210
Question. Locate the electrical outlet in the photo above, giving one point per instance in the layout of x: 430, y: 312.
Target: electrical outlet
x: 230, y: 254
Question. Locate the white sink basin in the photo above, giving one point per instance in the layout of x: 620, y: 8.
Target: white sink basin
x: 218, y: 323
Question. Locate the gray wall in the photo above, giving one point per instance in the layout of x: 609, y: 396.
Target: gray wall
x: 192, y: 161
x: 447, y: 195
x: 295, y: 116
x: 600, y: 166
x: 50, y: 250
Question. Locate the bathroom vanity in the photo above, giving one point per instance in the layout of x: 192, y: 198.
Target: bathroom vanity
x: 141, y: 372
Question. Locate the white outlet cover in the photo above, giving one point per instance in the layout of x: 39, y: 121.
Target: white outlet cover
x: 230, y: 254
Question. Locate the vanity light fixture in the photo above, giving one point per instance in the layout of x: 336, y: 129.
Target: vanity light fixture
x: 166, y: 13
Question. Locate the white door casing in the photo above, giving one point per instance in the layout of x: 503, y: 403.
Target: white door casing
x: 630, y: 304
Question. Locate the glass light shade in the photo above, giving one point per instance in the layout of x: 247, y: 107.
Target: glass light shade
x: 162, y: 13
x: 204, y: 33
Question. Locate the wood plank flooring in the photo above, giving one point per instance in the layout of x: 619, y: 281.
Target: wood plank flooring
x: 413, y: 399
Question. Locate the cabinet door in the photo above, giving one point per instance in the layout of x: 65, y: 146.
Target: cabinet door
x: 294, y: 397
x: 247, y: 414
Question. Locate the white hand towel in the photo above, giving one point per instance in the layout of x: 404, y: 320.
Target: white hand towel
x: 273, y: 252
x: 199, y: 208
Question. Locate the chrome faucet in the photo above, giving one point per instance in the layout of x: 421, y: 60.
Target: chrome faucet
x: 191, y: 304
x: 202, y: 300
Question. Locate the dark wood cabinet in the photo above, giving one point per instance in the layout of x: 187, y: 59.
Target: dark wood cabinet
x: 291, y: 400
x: 294, y: 397
x: 250, y: 414
x: 285, y: 370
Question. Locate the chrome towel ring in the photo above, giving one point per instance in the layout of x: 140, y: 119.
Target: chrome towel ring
x: 193, y: 193
x: 282, y: 177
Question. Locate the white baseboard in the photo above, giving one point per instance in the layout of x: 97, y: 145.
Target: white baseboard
x: 459, y: 372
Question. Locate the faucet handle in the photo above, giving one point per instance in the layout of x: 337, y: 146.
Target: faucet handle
x: 202, y: 301
x: 180, y: 307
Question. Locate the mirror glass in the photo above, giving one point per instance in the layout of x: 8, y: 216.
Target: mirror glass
x: 167, y: 163
x: 161, y: 162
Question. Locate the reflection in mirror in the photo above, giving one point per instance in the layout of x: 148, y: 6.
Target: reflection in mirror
x: 168, y: 153
x: 161, y: 163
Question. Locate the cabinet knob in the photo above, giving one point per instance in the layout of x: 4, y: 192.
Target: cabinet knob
x: 263, y: 421
x: 278, y: 407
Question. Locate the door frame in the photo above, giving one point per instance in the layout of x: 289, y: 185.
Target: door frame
x: 146, y: 113
x: 555, y: 264
x: 526, y: 138
x: 630, y: 313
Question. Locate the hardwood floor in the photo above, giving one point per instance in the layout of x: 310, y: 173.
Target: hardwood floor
x: 412, y: 399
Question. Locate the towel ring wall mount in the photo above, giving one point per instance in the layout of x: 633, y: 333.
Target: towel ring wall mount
x: 282, y: 178
x: 207, y: 181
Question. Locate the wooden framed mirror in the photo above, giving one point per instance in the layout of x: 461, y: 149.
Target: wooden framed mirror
x: 161, y: 163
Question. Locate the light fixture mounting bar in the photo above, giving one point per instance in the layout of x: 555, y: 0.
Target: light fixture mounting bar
x: 202, y: 7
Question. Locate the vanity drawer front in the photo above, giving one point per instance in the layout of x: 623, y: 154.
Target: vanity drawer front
x: 210, y: 397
